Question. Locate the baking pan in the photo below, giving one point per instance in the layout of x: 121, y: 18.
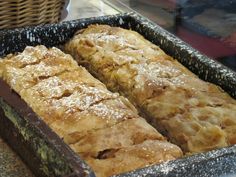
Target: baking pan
x: 24, y: 132
x: 44, y: 152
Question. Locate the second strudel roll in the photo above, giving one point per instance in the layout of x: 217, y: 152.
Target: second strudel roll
x: 194, y: 114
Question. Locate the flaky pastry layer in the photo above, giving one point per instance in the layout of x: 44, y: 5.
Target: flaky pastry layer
x: 102, y: 127
x: 194, y: 114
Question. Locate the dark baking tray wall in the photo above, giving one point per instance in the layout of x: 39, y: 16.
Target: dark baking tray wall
x: 214, y: 163
x: 56, y: 34
x: 43, y: 151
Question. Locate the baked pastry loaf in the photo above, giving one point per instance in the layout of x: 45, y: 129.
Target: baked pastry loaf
x: 102, y: 127
x: 194, y: 114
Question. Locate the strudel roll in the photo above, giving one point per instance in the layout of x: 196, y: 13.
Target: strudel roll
x: 102, y: 127
x: 194, y: 114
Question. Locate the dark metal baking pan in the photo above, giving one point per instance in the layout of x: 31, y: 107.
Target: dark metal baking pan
x: 44, y: 152
x: 218, y: 162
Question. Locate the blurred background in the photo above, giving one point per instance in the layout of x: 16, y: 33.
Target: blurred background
x: 207, y: 25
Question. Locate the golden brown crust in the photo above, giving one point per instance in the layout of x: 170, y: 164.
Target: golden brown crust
x: 26, y: 69
x: 101, y: 126
x: 117, y: 136
x: 141, y: 155
x: 185, y: 108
